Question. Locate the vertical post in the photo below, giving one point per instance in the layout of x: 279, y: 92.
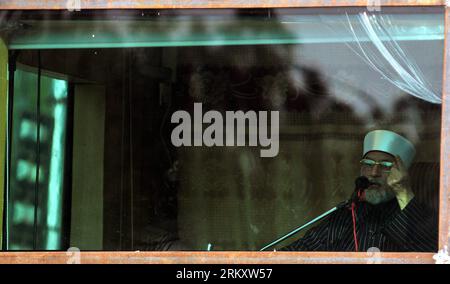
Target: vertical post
x: 444, y: 198
x: 3, y: 126
x: 86, y: 231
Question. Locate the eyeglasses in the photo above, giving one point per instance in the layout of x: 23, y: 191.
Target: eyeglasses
x: 369, y: 164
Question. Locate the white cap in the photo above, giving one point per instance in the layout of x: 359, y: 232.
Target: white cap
x: 391, y: 143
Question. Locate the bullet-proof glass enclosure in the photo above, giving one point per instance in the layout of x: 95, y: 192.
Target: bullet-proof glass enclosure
x: 221, y: 129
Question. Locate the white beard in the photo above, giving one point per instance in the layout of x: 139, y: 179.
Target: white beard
x: 377, y: 196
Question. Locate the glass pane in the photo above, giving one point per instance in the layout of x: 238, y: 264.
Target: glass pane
x: 227, y: 129
x: 35, y: 222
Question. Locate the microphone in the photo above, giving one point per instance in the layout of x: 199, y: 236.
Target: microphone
x: 361, y: 183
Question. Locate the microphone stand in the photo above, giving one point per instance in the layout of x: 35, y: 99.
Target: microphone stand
x: 279, y: 240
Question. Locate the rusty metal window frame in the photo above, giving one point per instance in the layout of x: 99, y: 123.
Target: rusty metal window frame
x: 257, y: 257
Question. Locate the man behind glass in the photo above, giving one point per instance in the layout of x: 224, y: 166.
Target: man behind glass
x: 388, y: 217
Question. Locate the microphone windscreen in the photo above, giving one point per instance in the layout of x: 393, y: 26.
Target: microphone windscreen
x: 361, y: 182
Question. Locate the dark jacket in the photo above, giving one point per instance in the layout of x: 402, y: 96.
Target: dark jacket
x: 382, y: 226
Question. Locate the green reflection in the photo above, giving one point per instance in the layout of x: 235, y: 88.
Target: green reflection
x: 202, y: 31
x: 24, y: 162
x: 55, y: 186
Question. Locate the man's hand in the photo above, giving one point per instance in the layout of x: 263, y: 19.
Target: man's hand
x: 398, y: 181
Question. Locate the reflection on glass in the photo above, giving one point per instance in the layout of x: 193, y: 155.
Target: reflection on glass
x: 157, y: 100
x: 22, y: 235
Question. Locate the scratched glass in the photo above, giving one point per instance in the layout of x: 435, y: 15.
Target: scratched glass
x: 219, y: 129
